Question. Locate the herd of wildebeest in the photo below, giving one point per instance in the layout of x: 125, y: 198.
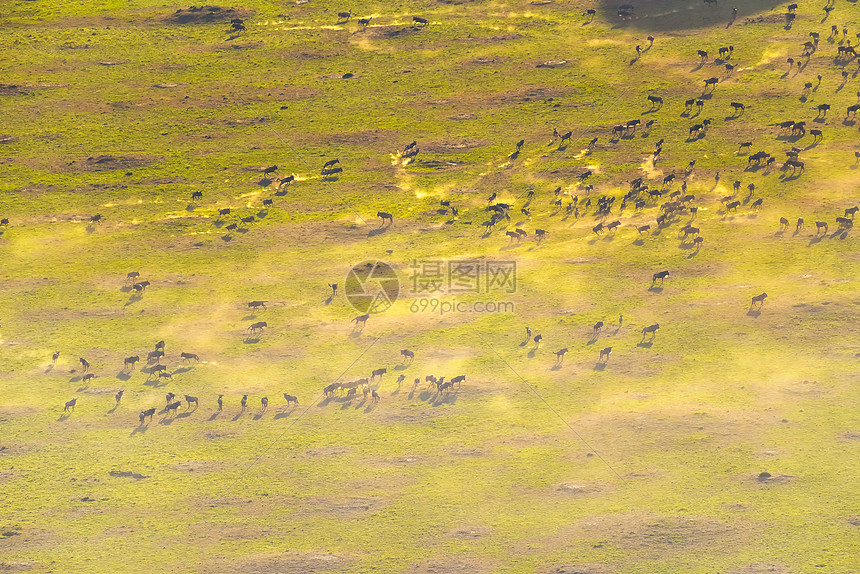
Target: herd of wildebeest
x: 641, y: 195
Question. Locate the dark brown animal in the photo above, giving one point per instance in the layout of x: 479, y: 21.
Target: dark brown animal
x: 291, y: 399
x: 147, y: 413
x: 70, y: 405
x: 258, y: 326
x: 129, y: 362
x: 189, y: 399
x: 604, y: 354
x: 189, y: 356
x: 758, y: 299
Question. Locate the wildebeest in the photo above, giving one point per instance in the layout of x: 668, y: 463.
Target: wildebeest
x: 541, y: 234
x: 559, y: 356
x: 407, y: 354
x: 694, y: 130
x: 220, y: 403
x: 119, y: 395
x: 291, y: 399
x: 758, y: 299
x: 265, y: 402
x: 655, y: 101
x: 458, y: 380
x: 157, y: 369
x: 711, y: 82
x: 757, y: 203
x: 97, y: 218
x: 154, y: 355
x: 254, y: 305
x: 661, y: 275
x: 844, y: 223
x: 4, y: 222
x: 237, y: 24
x: 189, y: 399
x: 244, y: 402
x: 597, y: 327
x: 133, y: 275
x: 819, y: 225
x: 129, y: 362
x: 189, y: 356
x: 270, y: 170
x: 54, y: 357
x: 738, y: 107
x: 698, y: 242
x: 537, y: 339
x: 420, y: 20
x: 703, y: 55
x: 88, y: 377
x: 597, y: 228
x: 84, y: 364
x: 816, y: 134
x: 225, y: 211
x: 232, y: 227
x: 140, y: 287
x: 250, y: 219
x: 285, y: 181
x: 652, y: 329
x: 799, y: 224
x: 794, y: 165
x: 604, y: 354
x: 361, y: 319
x: 70, y: 405
x: 783, y: 223
x: 374, y: 396
x: 147, y: 413
x: 169, y: 397
x: 851, y: 211
x: 378, y: 373
x: 267, y: 203
x: 383, y: 216
x: 344, y: 16
x: 174, y: 406
x: 258, y: 326
x: 195, y: 195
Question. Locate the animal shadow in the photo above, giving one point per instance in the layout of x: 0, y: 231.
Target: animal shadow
x: 645, y: 344
x: 282, y: 415
x: 251, y: 340
x: 556, y: 367
x: 213, y: 416
x: 654, y: 289
x: 139, y: 429
x: 123, y: 376
x: 237, y: 417
x: 753, y: 312
x: 63, y: 417
x: 531, y: 354
x: 226, y: 238
x: 377, y: 231
x: 599, y: 366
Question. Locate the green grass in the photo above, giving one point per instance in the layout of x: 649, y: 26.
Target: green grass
x: 650, y: 464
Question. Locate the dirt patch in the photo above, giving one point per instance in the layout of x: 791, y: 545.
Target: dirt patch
x: 15, y: 90
x: 452, y: 565
x: 127, y: 474
x: 578, y: 569
x: 112, y: 162
x: 761, y: 569
x: 242, y: 46
x: 767, y: 478
x: 286, y: 563
x: 389, y: 32
x: 205, y: 15
x: 449, y: 146
x: 16, y: 566
x: 470, y: 532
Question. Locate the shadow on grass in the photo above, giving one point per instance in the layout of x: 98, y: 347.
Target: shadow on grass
x: 599, y: 366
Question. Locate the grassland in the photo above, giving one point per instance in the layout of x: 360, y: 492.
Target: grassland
x: 651, y: 464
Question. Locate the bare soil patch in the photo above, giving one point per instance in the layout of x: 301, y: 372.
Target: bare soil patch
x: 286, y: 563
x: 112, y: 162
x: 206, y: 15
